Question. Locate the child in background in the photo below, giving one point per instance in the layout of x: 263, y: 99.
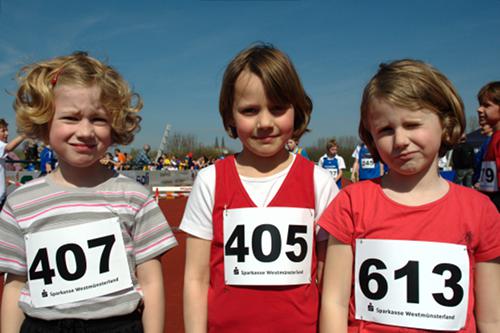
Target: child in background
x: 332, y: 162
x: 250, y: 257
x: 411, y: 251
x: 365, y: 166
x: 292, y: 146
x: 489, y: 108
x: 81, y: 246
x: 5, y: 148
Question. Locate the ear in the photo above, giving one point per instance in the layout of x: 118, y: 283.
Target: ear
x: 231, y: 128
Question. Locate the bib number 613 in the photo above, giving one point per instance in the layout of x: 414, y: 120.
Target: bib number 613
x: 46, y: 272
x: 236, y: 244
x: 411, y: 272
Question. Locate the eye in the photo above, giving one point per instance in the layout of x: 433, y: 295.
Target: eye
x: 412, y: 125
x: 248, y: 111
x: 69, y: 118
x: 385, y: 130
x: 279, y: 109
x: 100, y: 120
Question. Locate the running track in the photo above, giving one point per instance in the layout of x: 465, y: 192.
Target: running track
x: 173, y: 267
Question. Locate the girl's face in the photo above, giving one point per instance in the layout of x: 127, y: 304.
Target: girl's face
x: 332, y: 150
x: 263, y: 128
x: 408, y: 141
x: 80, y: 130
x: 490, y: 112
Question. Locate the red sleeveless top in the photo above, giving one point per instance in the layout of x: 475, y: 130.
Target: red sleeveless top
x: 260, y: 308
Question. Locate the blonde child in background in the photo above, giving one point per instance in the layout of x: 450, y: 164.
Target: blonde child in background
x: 411, y: 251
x: 250, y: 257
x: 81, y: 245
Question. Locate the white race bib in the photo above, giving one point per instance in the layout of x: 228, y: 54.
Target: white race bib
x: 416, y: 284
x: 367, y: 163
x: 268, y: 246
x: 333, y: 172
x: 76, y: 263
x: 488, y: 180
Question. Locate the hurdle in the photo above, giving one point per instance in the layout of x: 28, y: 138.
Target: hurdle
x: 171, y: 192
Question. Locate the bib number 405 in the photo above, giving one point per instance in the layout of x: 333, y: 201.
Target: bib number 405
x: 411, y: 272
x: 41, y: 268
x: 236, y: 244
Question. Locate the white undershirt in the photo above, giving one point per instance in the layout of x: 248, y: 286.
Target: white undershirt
x: 197, y: 219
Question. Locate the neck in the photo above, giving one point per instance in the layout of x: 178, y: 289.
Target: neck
x: 421, y: 188
x: 90, y: 176
x: 252, y: 165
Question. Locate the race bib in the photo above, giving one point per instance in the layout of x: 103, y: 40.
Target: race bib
x: 268, y: 246
x: 333, y: 172
x: 488, y: 179
x: 415, y: 284
x: 80, y: 262
x: 367, y: 163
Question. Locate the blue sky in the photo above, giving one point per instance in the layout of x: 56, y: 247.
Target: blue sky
x: 174, y: 53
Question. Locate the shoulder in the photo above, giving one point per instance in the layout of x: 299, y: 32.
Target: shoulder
x: 321, y: 175
x: 121, y: 181
x: 206, y: 174
x: 205, y: 181
x: 468, y: 196
x: 365, y: 188
x: 32, y: 189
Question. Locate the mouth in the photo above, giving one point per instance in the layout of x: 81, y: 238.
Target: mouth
x: 406, y: 156
x: 82, y: 147
x: 265, y: 138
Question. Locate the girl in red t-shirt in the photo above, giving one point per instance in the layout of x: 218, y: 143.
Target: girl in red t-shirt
x: 411, y: 251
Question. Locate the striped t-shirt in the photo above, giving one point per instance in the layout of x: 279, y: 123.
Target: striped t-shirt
x: 42, y: 205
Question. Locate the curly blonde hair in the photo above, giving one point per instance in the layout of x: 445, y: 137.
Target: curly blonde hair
x: 281, y: 83
x: 34, y: 104
x: 414, y: 85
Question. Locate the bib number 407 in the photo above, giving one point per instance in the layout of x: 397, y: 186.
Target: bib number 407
x: 236, y: 244
x: 41, y: 268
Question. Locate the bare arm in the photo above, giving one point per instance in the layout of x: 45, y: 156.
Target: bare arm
x: 320, y: 255
x: 14, y: 143
x: 355, y: 171
x: 150, y: 278
x: 487, y: 289
x: 196, y: 280
x: 12, y: 316
x: 336, y: 287
x: 381, y: 169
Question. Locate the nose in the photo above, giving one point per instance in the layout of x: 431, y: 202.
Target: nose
x: 264, y: 119
x: 85, y: 129
x: 400, y: 138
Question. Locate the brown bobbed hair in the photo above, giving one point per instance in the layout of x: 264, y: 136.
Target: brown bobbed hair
x: 331, y: 143
x: 34, y: 104
x: 414, y: 85
x: 490, y: 91
x: 281, y: 83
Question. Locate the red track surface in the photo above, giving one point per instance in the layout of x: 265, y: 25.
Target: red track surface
x: 173, y: 267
